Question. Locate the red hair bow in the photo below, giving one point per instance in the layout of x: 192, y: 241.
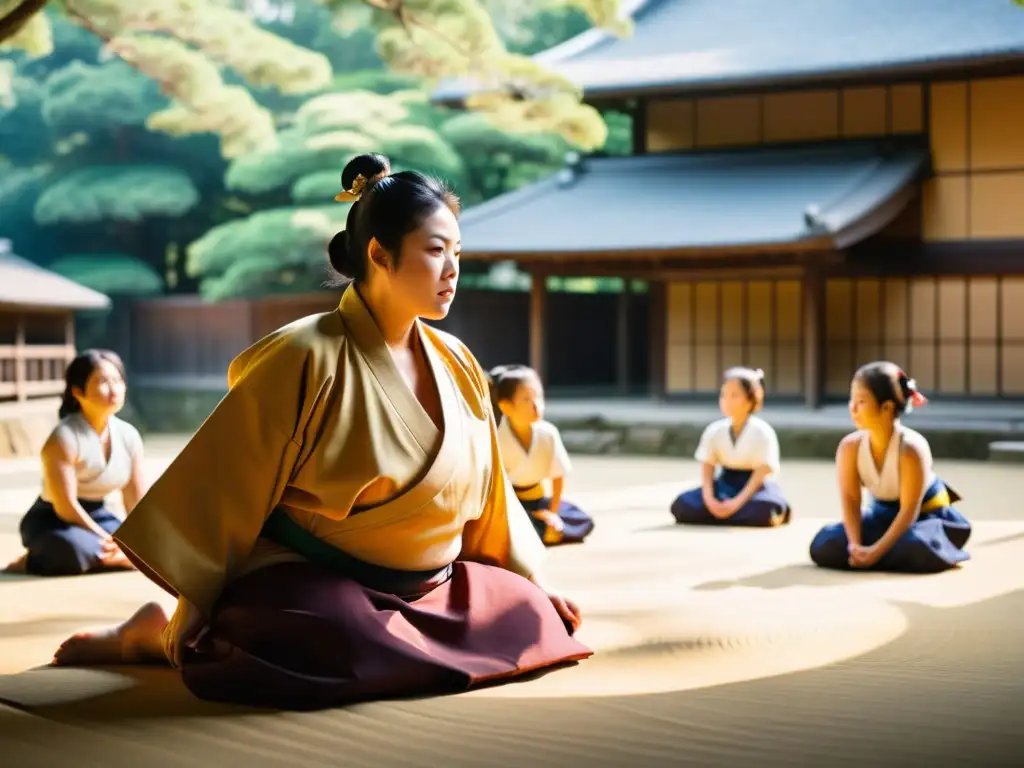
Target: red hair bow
x: 916, y: 398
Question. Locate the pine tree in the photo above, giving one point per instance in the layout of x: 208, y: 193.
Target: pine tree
x: 105, y: 162
x: 281, y: 246
x: 185, y: 45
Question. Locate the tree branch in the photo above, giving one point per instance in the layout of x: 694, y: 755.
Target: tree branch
x: 166, y: 85
x: 12, y: 23
x: 407, y: 21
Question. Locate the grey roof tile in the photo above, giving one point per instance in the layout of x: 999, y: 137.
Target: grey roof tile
x: 681, y: 44
x: 25, y: 284
x: 767, y: 196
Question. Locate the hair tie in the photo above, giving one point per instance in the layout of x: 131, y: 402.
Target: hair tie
x: 359, y: 184
x: 916, y: 399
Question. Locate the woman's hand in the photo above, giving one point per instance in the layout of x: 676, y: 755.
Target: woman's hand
x: 111, y: 555
x: 187, y: 627
x: 727, y: 508
x: 864, y: 557
x: 719, y: 509
x: 567, y: 610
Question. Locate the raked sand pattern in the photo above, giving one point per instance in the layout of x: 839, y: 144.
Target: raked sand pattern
x: 714, y: 647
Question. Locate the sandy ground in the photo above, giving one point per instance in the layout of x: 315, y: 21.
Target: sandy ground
x: 714, y: 647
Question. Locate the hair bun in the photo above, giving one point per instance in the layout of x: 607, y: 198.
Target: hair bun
x: 361, y: 173
x: 340, y: 255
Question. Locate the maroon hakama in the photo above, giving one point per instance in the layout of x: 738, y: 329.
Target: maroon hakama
x: 297, y: 636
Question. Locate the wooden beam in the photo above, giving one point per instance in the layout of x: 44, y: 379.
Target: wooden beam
x: 20, y: 370
x: 814, y: 337
x: 538, y: 323
x: 658, y: 338
x: 654, y: 272
x: 69, y: 337
x: 887, y: 258
x: 638, y: 120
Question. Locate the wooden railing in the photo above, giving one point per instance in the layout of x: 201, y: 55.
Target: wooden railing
x: 33, y: 370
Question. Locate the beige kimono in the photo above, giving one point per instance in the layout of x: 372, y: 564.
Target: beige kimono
x: 319, y: 422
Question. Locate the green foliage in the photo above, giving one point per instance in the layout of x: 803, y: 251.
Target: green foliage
x: 263, y: 172
x: 620, y: 133
x: 24, y: 134
x: 497, y: 161
x: 284, y: 248
x: 314, y: 188
x: 173, y: 118
x: 114, y: 274
x: 19, y: 189
x: 184, y: 46
x: 381, y: 81
x: 269, y: 250
x: 329, y: 130
x: 92, y: 98
x: 119, y: 193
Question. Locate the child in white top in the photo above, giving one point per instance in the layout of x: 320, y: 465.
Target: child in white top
x: 532, y: 453
x: 910, y: 525
x: 740, y: 457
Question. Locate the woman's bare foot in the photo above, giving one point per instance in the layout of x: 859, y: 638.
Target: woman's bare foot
x: 134, y: 642
x: 19, y: 565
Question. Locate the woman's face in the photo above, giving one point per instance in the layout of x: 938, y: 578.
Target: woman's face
x: 733, y: 400
x: 428, y: 267
x: 865, y: 411
x: 526, y: 406
x: 104, y: 390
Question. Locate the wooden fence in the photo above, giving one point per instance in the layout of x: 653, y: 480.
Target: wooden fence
x: 184, y: 342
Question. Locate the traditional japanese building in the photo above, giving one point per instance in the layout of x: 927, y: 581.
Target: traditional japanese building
x: 814, y: 185
x: 37, y: 341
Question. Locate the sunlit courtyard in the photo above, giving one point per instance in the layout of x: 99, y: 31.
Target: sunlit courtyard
x: 711, y: 645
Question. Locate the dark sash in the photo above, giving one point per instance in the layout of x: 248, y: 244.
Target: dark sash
x: 280, y: 527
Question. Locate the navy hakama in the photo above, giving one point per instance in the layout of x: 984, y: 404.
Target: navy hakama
x: 576, y: 524
x: 766, y: 508
x: 934, y: 543
x: 58, y: 548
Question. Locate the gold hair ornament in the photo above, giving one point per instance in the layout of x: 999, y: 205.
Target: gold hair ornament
x: 359, y: 184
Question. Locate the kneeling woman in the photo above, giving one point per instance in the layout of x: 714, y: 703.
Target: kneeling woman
x: 747, y: 450
x: 911, y: 525
x: 340, y: 528
x: 90, y: 455
x: 532, y: 452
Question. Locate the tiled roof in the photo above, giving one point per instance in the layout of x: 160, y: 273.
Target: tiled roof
x: 694, y: 44
x: 25, y: 284
x: 830, y: 195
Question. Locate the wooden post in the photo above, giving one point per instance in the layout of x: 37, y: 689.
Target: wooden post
x: 622, y: 337
x: 658, y: 337
x: 814, y: 336
x: 538, y: 323
x: 20, y: 372
x: 69, y: 337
